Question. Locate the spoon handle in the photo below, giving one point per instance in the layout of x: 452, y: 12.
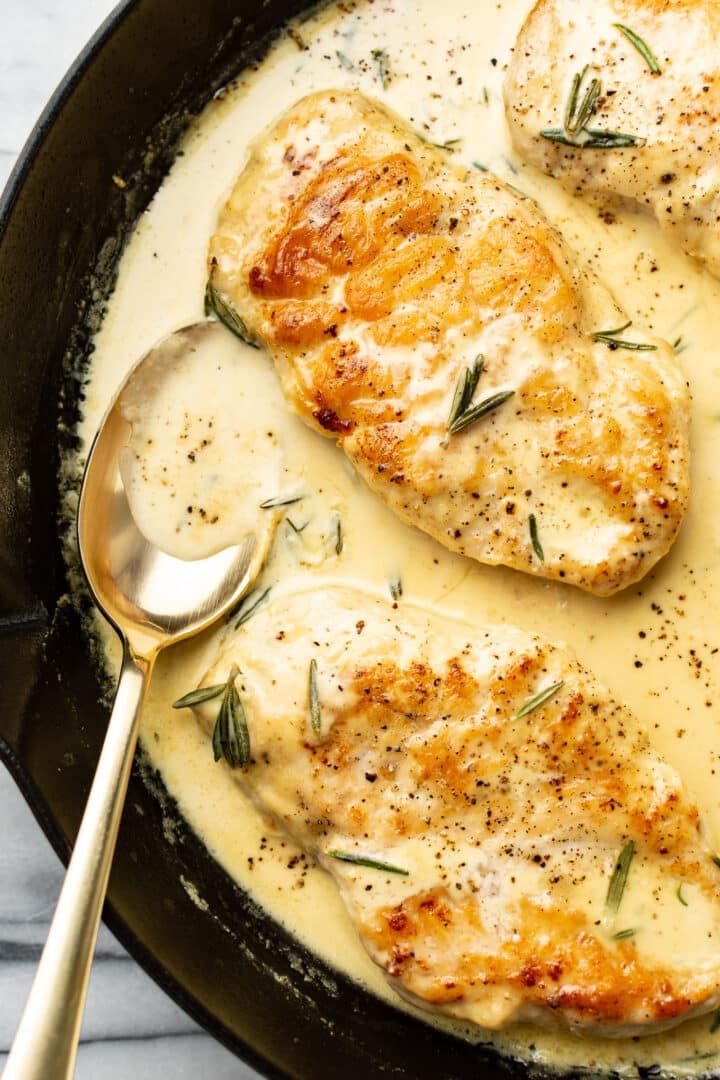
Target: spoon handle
x: 46, y: 1041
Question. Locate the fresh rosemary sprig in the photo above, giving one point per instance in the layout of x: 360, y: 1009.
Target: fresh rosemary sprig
x: 281, y: 500
x: 641, y: 47
x: 611, y: 339
x: 230, y: 737
x: 539, y: 699
x: 679, y: 894
x: 464, y: 390
x: 396, y: 587
x: 250, y: 605
x: 373, y: 864
x: 382, y: 60
x: 618, y: 881
x: 314, y: 697
x: 579, y: 110
x: 477, y: 412
x: 535, y: 539
x: 218, y: 304
x: 623, y: 934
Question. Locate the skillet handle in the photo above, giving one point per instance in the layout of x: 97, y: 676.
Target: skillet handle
x: 46, y: 1041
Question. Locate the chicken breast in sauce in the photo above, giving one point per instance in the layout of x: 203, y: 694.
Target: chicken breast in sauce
x: 654, y: 104
x: 432, y: 321
x: 505, y: 840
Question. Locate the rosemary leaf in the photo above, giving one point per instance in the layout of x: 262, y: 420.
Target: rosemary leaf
x: 535, y: 539
x: 464, y: 390
x: 716, y: 859
x: 382, y: 61
x: 593, y: 139
x: 539, y: 699
x: 477, y: 412
x: 250, y: 605
x: 196, y: 697
x: 618, y: 881
x: 314, y: 697
x: 345, y: 60
x: 611, y: 339
x: 230, y: 737
x: 297, y: 529
x: 480, y: 167
x: 575, y: 130
x: 641, y: 47
x: 715, y: 1022
x: 679, y: 894
x: 623, y: 934
x: 339, y: 538
x: 396, y: 587
x: 281, y: 500
x: 217, y: 302
x: 373, y: 864
x: 571, y: 105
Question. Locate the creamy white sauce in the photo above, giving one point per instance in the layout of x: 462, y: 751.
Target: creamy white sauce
x: 655, y: 647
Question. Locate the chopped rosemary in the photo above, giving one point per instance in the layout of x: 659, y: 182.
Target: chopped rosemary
x: 196, y: 697
x: 314, y: 697
x: 297, y: 529
x: 281, y: 500
x: 217, y: 303
x: 539, y: 699
x: 535, y: 539
x: 480, y: 167
x: 382, y: 61
x: 641, y: 47
x: 610, y: 338
x: 578, y: 113
x: 716, y: 859
x: 345, y: 60
x: 396, y: 587
x: 373, y: 864
x: 464, y: 390
x: 339, y: 538
x: 448, y: 145
x: 250, y: 605
x: 230, y: 738
x: 715, y: 1022
x: 679, y: 894
x: 679, y: 345
x: 623, y: 934
x: 618, y: 881
x: 477, y: 412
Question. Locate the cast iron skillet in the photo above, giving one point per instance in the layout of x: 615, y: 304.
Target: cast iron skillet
x: 120, y: 111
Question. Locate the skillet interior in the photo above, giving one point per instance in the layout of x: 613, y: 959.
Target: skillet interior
x: 62, y: 221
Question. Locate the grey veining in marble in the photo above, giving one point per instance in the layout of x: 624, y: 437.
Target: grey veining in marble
x: 131, y: 1028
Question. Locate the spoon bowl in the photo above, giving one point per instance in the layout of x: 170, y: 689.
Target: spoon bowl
x: 153, y: 600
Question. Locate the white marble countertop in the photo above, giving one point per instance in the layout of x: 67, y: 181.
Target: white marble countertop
x: 131, y: 1029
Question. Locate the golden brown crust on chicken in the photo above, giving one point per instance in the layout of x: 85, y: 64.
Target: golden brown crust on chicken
x: 507, y: 820
x: 376, y: 272
x: 673, y: 113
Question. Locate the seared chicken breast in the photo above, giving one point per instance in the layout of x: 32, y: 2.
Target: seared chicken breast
x: 653, y: 80
x: 505, y: 840
x: 431, y: 320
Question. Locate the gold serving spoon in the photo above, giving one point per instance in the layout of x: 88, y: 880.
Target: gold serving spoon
x: 153, y: 600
